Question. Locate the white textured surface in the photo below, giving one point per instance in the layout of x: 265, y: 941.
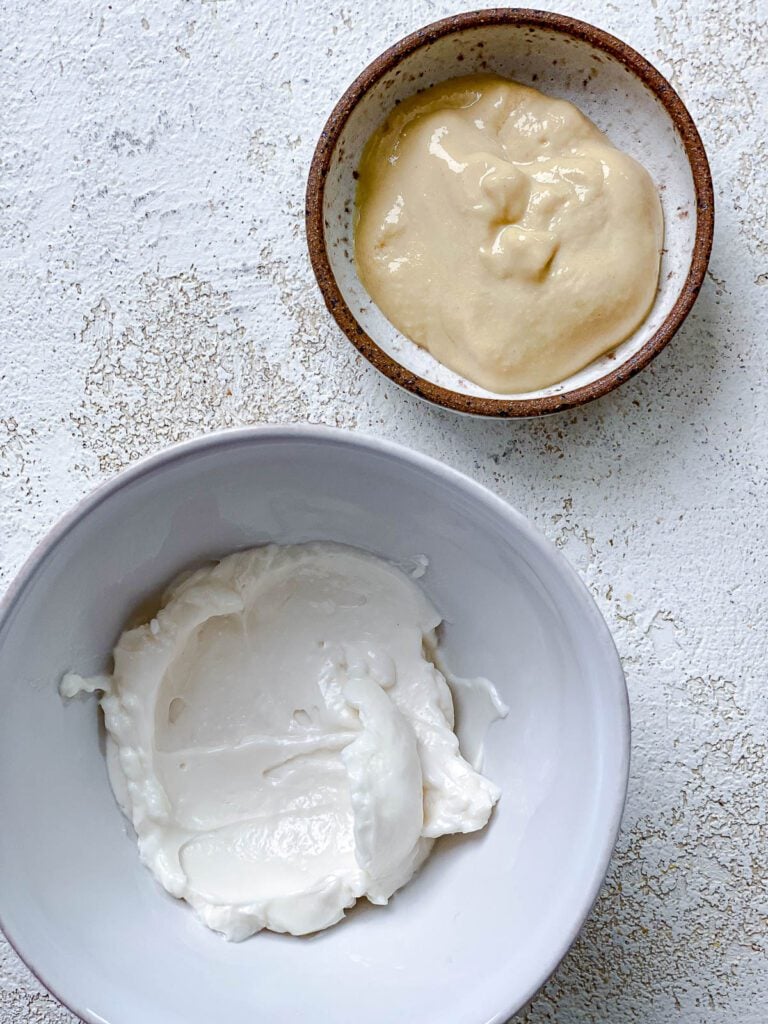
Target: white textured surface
x: 155, y: 286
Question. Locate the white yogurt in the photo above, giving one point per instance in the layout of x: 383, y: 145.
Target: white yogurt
x: 282, y: 740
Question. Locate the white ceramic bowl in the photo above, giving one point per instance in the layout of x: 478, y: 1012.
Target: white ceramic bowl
x: 615, y: 86
x: 488, y: 918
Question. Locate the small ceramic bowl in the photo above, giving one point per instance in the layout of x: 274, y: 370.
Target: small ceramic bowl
x: 616, y: 87
x: 487, y: 918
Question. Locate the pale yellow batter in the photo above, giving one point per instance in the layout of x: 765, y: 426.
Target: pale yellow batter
x: 500, y: 229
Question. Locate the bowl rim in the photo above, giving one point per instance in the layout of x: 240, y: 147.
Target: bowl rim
x: 509, y: 407
x: 615, y: 689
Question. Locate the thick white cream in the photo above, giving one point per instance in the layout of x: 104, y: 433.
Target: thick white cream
x: 282, y: 740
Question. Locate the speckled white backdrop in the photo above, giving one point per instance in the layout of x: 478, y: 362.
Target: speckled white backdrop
x: 155, y: 286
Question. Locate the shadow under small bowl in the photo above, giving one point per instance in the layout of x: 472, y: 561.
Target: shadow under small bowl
x: 615, y: 86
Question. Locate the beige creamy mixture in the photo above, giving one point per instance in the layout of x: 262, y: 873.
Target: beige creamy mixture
x: 500, y: 229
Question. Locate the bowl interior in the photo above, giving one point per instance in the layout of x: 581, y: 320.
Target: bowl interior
x: 604, y: 88
x: 487, y: 918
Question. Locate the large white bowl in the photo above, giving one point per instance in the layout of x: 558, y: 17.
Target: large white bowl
x: 488, y: 918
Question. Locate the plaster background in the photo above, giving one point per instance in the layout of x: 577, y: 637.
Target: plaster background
x: 155, y: 286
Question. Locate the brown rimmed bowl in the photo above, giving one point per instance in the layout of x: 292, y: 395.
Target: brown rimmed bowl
x: 615, y: 86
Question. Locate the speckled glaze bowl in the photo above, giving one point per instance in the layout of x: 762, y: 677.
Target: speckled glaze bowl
x: 615, y: 86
